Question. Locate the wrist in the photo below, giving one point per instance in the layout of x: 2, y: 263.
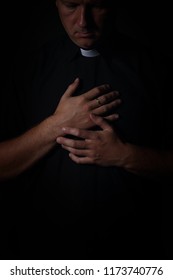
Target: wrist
x: 130, y: 157
x: 51, y: 129
x: 125, y: 154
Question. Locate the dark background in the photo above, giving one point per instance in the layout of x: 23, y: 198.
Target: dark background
x: 20, y: 18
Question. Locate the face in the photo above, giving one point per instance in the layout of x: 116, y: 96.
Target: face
x: 83, y: 20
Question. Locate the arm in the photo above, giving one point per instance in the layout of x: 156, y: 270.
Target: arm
x: 105, y: 148
x: 18, y: 154
x: 150, y: 162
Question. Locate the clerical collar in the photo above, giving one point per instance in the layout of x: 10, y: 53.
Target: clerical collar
x: 89, y: 53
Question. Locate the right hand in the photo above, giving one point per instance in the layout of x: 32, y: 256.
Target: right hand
x: 75, y: 111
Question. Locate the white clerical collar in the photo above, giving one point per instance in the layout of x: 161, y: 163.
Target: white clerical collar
x: 89, y: 53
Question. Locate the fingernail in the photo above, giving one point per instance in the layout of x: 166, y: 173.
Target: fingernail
x: 76, y: 80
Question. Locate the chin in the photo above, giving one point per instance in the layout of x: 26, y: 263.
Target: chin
x: 85, y: 44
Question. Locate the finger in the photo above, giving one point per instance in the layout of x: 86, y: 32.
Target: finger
x: 107, y: 107
x: 97, y: 91
x: 77, y: 152
x: 80, y: 133
x: 78, y: 144
x: 104, y: 99
x: 80, y: 160
x: 100, y: 122
x: 112, y: 118
x: 72, y: 88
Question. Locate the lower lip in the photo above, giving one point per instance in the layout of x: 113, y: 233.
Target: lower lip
x: 84, y: 35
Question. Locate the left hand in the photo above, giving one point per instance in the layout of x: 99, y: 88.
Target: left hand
x: 102, y: 147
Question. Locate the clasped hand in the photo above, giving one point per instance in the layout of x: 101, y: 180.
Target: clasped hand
x: 102, y: 147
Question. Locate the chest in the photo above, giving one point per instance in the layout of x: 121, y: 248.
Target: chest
x: 139, y: 112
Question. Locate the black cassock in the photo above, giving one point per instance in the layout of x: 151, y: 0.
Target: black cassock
x: 59, y: 209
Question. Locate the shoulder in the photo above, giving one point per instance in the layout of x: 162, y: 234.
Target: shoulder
x: 143, y: 59
x: 31, y: 56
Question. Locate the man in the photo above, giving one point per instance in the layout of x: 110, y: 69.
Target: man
x: 86, y: 183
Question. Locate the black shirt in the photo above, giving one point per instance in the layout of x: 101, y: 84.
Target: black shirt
x: 62, y: 210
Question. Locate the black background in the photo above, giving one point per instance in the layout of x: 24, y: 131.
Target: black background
x: 150, y: 25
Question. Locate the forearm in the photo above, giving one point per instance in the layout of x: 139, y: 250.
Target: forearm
x: 19, y: 154
x: 148, y: 162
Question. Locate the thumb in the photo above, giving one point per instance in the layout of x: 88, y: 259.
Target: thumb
x: 72, y: 88
x: 99, y: 121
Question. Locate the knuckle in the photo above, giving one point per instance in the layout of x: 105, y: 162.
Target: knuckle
x: 107, y: 87
x: 76, y: 152
x: 95, y: 158
x: 86, y: 95
x: 99, y: 90
x: 84, y: 146
x: 77, y: 132
x: 86, y: 107
x: 112, y: 95
x: 73, y: 145
x: 114, y: 103
x: 83, y: 98
x: 103, y: 99
x: 92, y: 155
x: 103, y: 88
x: 77, y: 160
x: 105, y: 109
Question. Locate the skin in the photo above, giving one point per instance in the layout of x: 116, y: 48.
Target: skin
x: 81, y: 106
x: 105, y: 148
x: 19, y: 154
x: 84, y: 20
x: 98, y: 147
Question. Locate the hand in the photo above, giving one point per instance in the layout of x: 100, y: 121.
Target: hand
x: 74, y: 111
x: 102, y: 147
